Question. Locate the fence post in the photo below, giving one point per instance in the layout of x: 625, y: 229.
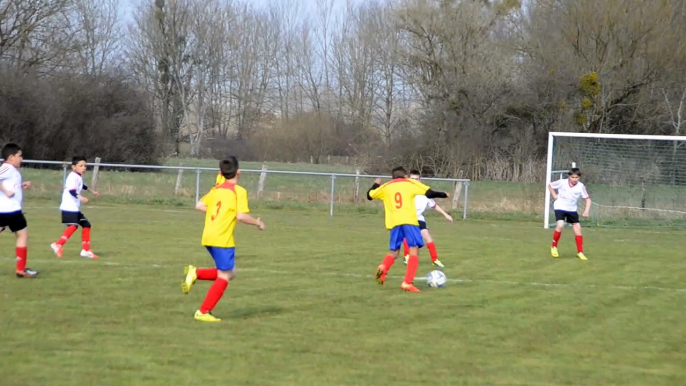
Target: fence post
x: 261, y: 182
x: 64, y: 173
x: 96, y: 171
x: 466, y: 200
x: 197, y: 185
x: 456, y: 194
x: 356, y: 190
x: 333, y: 191
x: 179, y: 179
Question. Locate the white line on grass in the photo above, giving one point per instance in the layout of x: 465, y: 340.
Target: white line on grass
x: 361, y: 276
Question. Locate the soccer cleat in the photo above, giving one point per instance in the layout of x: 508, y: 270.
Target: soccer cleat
x: 208, y: 317
x: 438, y: 264
x: 57, y: 249
x: 581, y: 256
x: 381, y: 274
x: 88, y: 254
x: 409, y: 287
x: 28, y: 272
x: 191, y: 277
x: 405, y: 259
x: 553, y: 252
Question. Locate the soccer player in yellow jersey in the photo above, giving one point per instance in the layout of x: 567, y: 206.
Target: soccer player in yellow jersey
x: 224, y: 205
x: 401, y: 219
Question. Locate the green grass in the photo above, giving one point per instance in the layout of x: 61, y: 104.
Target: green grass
x: 304, y: 309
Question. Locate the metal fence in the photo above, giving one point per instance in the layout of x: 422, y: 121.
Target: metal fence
x: 459, y: 189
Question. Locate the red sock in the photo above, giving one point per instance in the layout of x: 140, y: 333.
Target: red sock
x: 432, y: 251
x: 213, y: 295
x: 580, y: 244
x: 206, y: 273
x: 86, y: 239
x: 67, y: 234
x: 388, y: 262
x: 412, y: 264
x: 556, y: 238
x: 21, y: 258
x: 406, y: 248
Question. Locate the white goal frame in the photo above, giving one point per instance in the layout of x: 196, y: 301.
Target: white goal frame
x: 549, y: 160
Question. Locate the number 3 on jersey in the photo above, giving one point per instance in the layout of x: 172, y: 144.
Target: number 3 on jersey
x: 219, y: 205
x: 398, y: 200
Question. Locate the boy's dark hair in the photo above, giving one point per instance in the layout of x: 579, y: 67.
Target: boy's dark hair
x: 574, y: 172
x: 228, y: 167
x: 399, y: 172
x: 10, y: 149
x: 77, y: 159
x: 415, y: 172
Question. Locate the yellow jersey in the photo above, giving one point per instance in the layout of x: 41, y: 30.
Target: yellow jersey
x: 220, y: 179
x: 398, y: 200
x: 223, y: 202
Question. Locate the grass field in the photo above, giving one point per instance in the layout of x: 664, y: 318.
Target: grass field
x: 305, y: 309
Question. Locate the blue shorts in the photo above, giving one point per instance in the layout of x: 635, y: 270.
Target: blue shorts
x: 223, y: 257
x: 409, y: 232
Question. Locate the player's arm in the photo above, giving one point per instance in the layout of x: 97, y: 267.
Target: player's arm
x: 95, y: 192
x: 243, y: 210
x: 444, y: 213
x: 7, y: 192
x: 4, y: 174
x: 202, y: 204
x: 553, y: 187
x: 246, y: 218
x: 374, y: 192
x: 72, y: 184
x: 78, y: 196
x: 587, y: 211
x: 434, y: 194
x: 587, y: 198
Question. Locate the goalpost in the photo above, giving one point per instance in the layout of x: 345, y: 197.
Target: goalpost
x: 633, y: 180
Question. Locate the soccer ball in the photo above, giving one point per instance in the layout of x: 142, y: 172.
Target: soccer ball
x: 436, y: 279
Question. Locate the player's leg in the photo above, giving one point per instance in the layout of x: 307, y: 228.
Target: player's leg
x: 18, y: 225
x: 386, y: 265
x: 70, y: 220
x: 224, y: 259
x: 560, y: 224
x: 396, y: 240
x: 406, y: 251
x: 576, y: 226
x: 414, y: 240
x: 429, y: 242
x: 86, y: 238
x: 193, y: 273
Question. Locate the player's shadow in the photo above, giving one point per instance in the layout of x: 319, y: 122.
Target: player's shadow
x: 247, y: 313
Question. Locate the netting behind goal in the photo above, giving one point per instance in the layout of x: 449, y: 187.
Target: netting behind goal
x: 632, y: 180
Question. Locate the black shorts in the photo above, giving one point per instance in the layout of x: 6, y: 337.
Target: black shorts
x: 422, y: 225
x: 13, y: 220
x: 569, y: 217
x: 75, y: 218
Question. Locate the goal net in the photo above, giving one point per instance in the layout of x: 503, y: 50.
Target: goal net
x: 633, y: 180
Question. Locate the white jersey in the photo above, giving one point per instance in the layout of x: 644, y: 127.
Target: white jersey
x: 568, y: 195
x: 422, y: 203
x: 74, y: 183
x: 10, y: 178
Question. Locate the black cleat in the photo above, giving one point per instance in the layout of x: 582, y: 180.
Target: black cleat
x: 28, y: 272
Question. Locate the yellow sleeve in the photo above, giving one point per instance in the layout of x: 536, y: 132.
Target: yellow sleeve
x: 420, y: 188
x: 378, y: 193
x: 206, y: 198
x: 242, y: 200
